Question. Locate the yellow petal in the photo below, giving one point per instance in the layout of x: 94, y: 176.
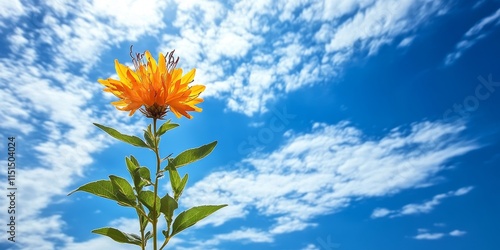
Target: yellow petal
x: 151, y: 61
x: 188, y: 77
x: 197, y: 89
x: 162, y: 63
x: 121, y: 71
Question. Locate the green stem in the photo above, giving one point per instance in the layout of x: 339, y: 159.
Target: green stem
x: 166, y: 238
x: 158, y: 162
x: 139, y: 211
x: 143, y: 240
x: 165, y: 243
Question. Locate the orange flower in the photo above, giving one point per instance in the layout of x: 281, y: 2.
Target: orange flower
x: 154, y: 88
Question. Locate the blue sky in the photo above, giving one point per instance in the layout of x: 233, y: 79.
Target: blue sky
x: 341, y: 124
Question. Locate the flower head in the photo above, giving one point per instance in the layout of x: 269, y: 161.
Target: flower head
x: 154, y: 87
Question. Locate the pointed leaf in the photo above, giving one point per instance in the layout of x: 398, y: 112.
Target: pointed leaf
x: 102, y: 188
x: 123, y: 191
x: 142, y: 177
x: 149, y: 139
x: 175, y: 180
x: 182, y: 185
x: 168, y: 205
x: 148, y: 235
x: 192, y: 216
x: 118, y: 235
x: 148, y: 198
x: 131, y: 166
x: 134, y: 160
x: 166, y: 127
x: 133, y: 140
x: 144, y: 220
x: 194, y: 154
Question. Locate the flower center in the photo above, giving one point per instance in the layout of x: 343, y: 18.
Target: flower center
x: 156, y: 111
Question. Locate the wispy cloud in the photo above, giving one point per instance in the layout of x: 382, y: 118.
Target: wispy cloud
x: 323, y: 171
x: 250, y: 53
x: 457, y: 233
x: 310, y: 247
x: 49, y: 101
x: 418, y: 208
x: 479, y: 31
x: 424, y: 234
x: 429, y: 236
x: 12, y: 10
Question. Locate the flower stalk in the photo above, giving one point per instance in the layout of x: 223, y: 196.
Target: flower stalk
x: 158, y: 162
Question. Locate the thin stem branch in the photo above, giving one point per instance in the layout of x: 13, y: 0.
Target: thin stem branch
x: 165, y: 243
x: 143, y: 240
x: 166, y: 238
x: 144, y: 213
x: 158, y: 162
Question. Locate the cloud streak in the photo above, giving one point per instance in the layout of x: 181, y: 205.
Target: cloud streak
x: 479, y: 31
x: 419, y: 208
x: 253, y: 53
x: 327, y: 169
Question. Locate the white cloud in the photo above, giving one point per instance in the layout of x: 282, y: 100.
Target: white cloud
x: 423, y: 234
x: 429, y: 236
x: 103, y: 242
x: 418, y: 208
x: 477, y: 32
x: 310, y: 247
x: 79, y: 31
x: 380, y: 24
x: 250, y: 234
x: 11, y: 11
x: 250, y: 53
x: 323, y: 171
x: 457, y: 233
x: 406, y: 42
x: 380, y: 212
x: 50, y: 108
x: 242, y: 236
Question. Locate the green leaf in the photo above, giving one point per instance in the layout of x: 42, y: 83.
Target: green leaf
x: 133, y: 140
x: 124, y: 192
x: 142, y: 177
x: 149, y: 129
x: 148, y: 235
x: 148, y: 198
x: 102, y: 188
x: 182, y: 185
x: 118, y: 235
x: 145, y: 174
x: 192, y: 216
x: 194, y: 154
x: 134, y: 160
x: 175, y: 179
x: 168, y: 205
x: 149, y: 139
x: 166, y: 127
x: 131, y: 166
x: 144, y: 219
